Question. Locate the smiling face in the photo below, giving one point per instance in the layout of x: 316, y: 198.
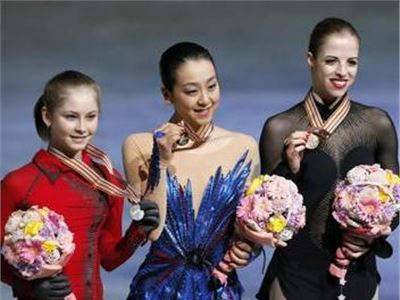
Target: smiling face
x: 335, y: 67
x: 74, y: 122
x: 195, y: 93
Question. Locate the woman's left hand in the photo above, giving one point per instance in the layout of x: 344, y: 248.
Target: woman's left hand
x: 240, y: 254
x: 354, y: 245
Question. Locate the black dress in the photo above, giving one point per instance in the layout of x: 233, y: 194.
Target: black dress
x: 366, y: 136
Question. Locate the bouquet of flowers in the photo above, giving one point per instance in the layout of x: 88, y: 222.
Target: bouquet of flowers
x: 271, y: 205
x: 365, y: 203
x: 37, y: 243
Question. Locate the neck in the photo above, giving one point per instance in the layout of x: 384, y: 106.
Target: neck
x: 176, y: 119
x: 73, y: 154
x: 328, y: 101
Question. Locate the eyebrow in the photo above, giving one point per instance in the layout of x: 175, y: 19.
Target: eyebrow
x: 77, y: 113
x: 196, y: 83
x: 333, y: 56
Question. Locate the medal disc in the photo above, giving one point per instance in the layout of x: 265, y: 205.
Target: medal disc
x: 312, y: 141
x: 136, y: 212
x: 183, y: 140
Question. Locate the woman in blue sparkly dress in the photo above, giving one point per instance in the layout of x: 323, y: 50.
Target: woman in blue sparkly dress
x: 196, y: 172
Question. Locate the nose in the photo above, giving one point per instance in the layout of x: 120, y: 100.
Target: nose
x: 204, y: 98
x: 341, y: 69
x: 80, y: 126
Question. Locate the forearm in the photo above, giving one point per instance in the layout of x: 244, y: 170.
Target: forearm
x: 114, y: 256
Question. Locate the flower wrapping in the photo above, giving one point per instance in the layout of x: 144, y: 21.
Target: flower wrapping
x: 365, y: 203
x: 271, y: 204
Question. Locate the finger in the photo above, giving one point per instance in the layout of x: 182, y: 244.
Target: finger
x: 148, y: 204
x: 300, y: 148
x: 60, y: 285
x: 239, y: 259
x: 243, y: 246
x: 60, y: 294
x: 152, y: 213
x: 239, y: 254
x: 150, y: 221
x: 281, y: 243
x: 355, y: 240
x: 295, y: 141
x: 353, y: 247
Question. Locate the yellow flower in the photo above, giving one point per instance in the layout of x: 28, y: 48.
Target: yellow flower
x: 254, y: 185
x: 276, y: 224
x: 392, y: 178
x: 383, y: 196
x: 49, y: 246
x: 33, y: 227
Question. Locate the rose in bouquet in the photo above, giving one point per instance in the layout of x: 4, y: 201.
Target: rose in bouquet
x: 365, y: 203
x: 37, y: 243
x: 273, y: 209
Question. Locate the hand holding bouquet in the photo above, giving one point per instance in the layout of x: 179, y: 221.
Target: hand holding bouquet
x: 270, y: 213
x: 272, y: 210
x: 365, y: 204
x: 37, y: 243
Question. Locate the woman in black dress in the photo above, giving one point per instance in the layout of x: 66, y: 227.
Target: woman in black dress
x: 315, y: 143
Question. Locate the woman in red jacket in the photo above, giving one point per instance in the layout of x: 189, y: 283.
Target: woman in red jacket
x: 66, y: 115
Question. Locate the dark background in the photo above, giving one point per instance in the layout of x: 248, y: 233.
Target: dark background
x: 259, y: 49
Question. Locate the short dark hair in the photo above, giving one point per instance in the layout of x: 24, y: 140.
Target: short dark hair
x: 54, y: 95
x: 176, y: 55
x: 327, y: 27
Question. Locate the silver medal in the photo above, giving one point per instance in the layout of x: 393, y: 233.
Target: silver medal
x: 136, y: 212
x: 312, y: 141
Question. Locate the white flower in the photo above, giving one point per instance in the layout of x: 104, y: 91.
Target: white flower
x: 53, y: 257
x: 31, y: 215
x: 285, y: 234
x: 13, y: 223
x: 378, y: 177
x: 356, y: 175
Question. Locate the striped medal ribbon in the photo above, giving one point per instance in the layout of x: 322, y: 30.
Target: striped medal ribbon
x: 94, y: 178
x: 321, y: 128
x: 197, y: 138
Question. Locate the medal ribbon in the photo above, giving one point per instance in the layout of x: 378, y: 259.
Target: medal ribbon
x: 334, y: 119
x: 94, y: 178
x: 202, y: 136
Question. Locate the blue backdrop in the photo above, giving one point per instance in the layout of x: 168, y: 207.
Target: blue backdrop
x: 259, y: 48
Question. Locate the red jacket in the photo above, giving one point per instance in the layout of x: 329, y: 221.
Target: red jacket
x: 93, y: 217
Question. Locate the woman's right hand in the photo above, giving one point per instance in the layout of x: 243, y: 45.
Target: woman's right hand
x: 295, y: 144
x: 166, y: 137
x: 260, y: 237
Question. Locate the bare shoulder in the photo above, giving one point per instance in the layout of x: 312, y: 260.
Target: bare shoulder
x: 138, y: 142
x: 241, y: 140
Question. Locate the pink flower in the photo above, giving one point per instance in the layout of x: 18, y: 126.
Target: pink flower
x: 261, y: 209
x: 245, y: 208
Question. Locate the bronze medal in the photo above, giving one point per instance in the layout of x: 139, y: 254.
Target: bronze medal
x: 320, y: 130
x: 312, y: 141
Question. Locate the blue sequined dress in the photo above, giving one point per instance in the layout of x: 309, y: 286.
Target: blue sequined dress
x: 180, y: 262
